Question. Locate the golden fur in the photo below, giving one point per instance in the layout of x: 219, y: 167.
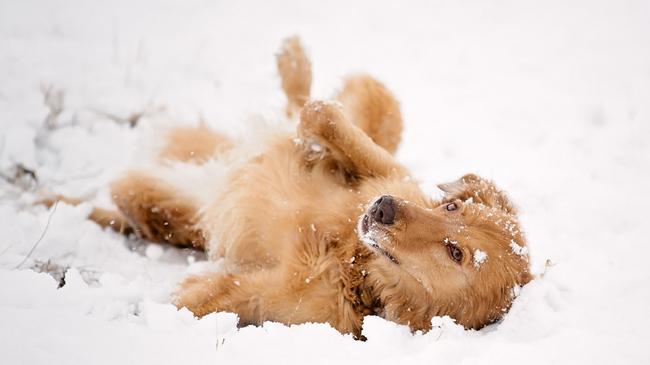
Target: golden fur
x: 194, y: 144
x: 305, y: 236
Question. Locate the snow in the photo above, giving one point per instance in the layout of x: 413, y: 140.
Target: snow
x: 517, y: 249
x: 479, y: 257
x: 548, y: 99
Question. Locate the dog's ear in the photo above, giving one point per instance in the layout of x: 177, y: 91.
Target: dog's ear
x: 479, y: 190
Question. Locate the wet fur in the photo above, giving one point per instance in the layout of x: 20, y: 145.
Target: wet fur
x: 287, y: 221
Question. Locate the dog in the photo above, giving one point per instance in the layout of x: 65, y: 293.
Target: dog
x: 324, y: 225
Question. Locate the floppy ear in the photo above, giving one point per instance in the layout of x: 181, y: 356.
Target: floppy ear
x: 480, y: 190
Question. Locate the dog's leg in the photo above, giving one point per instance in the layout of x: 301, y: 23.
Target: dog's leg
x: 265, y: 296
x: 157, y: 211
x: 326, y: 123
x: 194, y: 144
x: 244, y: 294
x: 368, y: 104
x: 148, y: 207
x: 295, y: 71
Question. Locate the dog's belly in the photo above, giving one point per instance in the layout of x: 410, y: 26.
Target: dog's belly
x: 272, y: 205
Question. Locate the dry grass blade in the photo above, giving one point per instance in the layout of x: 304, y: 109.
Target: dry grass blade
x: 47, y: 225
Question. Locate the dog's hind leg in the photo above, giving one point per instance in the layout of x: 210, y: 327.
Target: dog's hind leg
x: 148, y: 207
x: 157, y: 211
x: 194, y: 144
x: 368, y: 104
x: 295, y: 71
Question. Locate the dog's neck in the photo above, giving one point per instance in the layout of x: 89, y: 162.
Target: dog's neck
x: 368, y: 293
x: 356, y: 288
x: 392, y: 300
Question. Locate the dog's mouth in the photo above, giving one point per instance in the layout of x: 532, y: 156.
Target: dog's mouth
x: 364, y: 224
x: 369, y: 234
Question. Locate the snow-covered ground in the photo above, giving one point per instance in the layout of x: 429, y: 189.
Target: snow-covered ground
x: 550, y: 99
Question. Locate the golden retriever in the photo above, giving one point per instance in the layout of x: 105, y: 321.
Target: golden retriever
x: 325, y: 226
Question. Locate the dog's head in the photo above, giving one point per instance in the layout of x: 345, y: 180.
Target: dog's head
x: 464, y: 256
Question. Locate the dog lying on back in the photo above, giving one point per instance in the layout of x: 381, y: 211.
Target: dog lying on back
x: 325, y: 225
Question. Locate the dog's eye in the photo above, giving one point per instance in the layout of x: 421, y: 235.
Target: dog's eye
x: 455, y: 253
x: 451, y: 207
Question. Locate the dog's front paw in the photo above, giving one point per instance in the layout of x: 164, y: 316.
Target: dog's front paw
x: 201, y: 294
x: 319, y: 120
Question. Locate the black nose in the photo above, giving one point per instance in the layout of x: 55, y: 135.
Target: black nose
x: 383, y: 210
